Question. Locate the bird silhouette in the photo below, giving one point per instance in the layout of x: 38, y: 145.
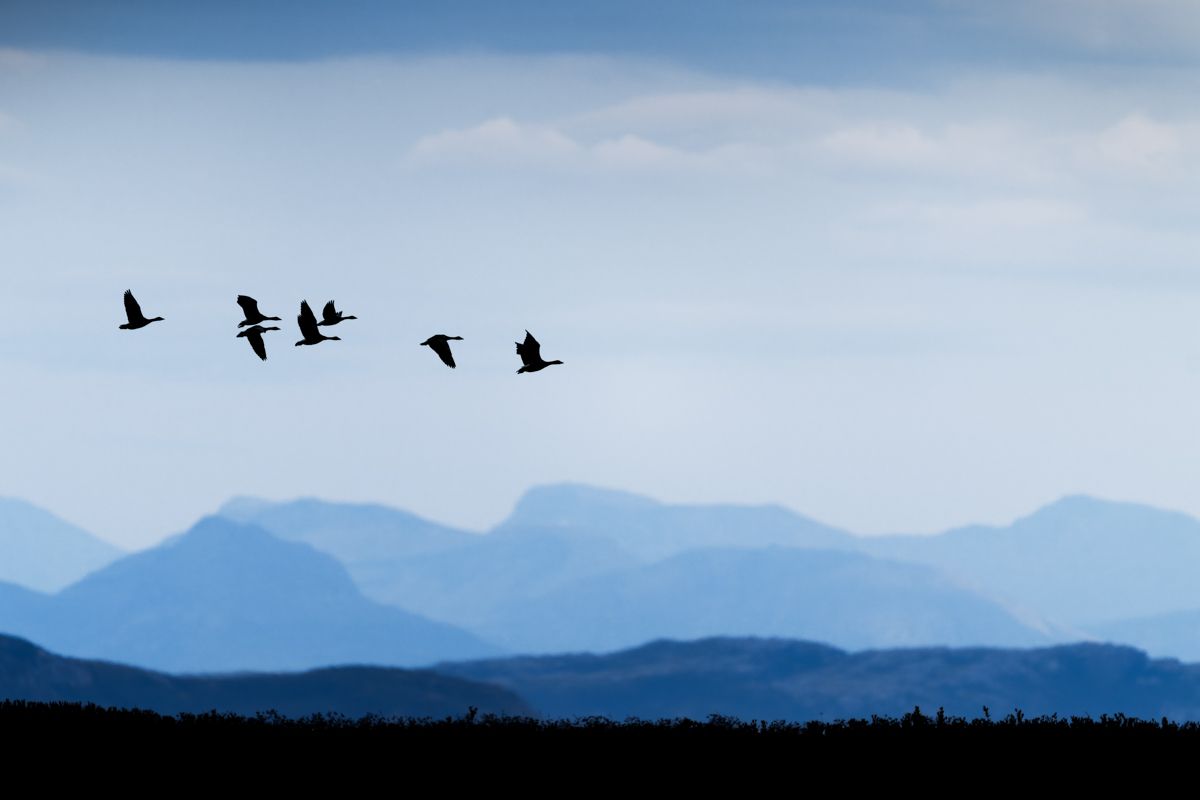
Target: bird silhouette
x: 134, y: 312
x: 253, y: 315
x: 440, y: 344
x: 530, y: 352
x: 308, y: 327
x: 254, y: 336
x: 331, y: 316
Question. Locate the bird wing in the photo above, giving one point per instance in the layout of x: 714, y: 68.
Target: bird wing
x: 132, y: 309
x: 530, y: 350
x: 256, y: 342
x: 307, y: 321
x: 329, y: 312
x: 442, y: 348
x: 249, y: 306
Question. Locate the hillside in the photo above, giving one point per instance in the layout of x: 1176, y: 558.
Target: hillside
x: 43, y: 552
x: 842, y: 598
x: 771, y: 679
x: 225, y: 596
x: 28, y: 672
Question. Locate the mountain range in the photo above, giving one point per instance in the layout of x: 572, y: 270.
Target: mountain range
x: 770, y: 679
x: 224, y: 597
x: 28, y: 672
x: 585, y: 569
x: 763, y: 679
x: 45, y: 553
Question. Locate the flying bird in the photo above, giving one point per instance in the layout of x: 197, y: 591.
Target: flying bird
x: 440, y: 344
x: 134, y: 312
x: 331, y: 316
x: 253, y: 315
x: 530, y: 352
x: 254, y: 336
x: 308, y: 327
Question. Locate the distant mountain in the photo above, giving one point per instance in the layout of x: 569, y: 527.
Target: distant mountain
x: 776, y: 679
x: 230, y: 597
x: 846, y: 599
x: 351, y: 532
x: 42, y: 552
x: 29, y: 673
x: 1172, y: 635
x: 466, y: 585
x: 650, y: 530
x: 1079, y: 561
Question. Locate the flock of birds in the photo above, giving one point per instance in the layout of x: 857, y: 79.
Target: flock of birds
x: 530, y: 350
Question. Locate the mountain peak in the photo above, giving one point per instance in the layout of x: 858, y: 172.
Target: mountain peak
x: 564, y: 503
x: 1086, y: 509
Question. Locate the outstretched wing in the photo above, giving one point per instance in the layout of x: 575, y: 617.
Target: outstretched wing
x: 307, y: 321
x: 442, y: 348
x: 530, y: 350
x: 249, y: 306
x: 329, y: 313
x: 256, y: 342
x: 132, y: 310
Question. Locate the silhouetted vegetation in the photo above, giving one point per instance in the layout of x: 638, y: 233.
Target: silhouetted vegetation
x: 63, y: 721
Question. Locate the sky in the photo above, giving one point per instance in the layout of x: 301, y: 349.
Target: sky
x: 897, y: 266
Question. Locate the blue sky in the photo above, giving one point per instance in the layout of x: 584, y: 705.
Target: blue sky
x: 897, y: 269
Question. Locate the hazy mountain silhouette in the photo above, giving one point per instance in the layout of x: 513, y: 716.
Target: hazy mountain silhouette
x: 28, y: 672
x: 652, y: 530
x: 770, y: 679
x: 1079, y: 561
x: 352, y: 532
x: 225, y: 596
x: 40, y: 551
x: 1174, y: 635
x: 467, y: 584
x: 846, y: 599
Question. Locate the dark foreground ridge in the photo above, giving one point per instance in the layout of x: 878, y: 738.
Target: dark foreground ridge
x: 29, y: 673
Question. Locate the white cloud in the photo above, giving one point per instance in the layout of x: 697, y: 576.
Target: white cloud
x: 1141, y: 144
x: 499, y: 140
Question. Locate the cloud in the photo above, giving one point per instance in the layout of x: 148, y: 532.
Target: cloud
x: 1140, y: 144
x: 1149, y: 27
x: 499, y: 140
x: 11, y: 58
x: 504, y: 143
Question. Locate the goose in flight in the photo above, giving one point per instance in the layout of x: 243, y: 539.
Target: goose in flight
x: 134, y: 312
x: 308, y: 327
x: 530, y: 352
x: 253, y: 315
x: 331, y: 316
x: 253, y: 335
x: 440, y: 344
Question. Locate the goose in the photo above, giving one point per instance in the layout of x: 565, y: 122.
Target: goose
x: 440, y: 344
x: 331, y: 316
x: 253, y: 315
x: 530, y: 352
x: 134, y: 312
x: 308, y: 327
x: 253, y: 335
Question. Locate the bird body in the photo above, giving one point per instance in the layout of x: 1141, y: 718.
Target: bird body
x: 530, y: 352
x: 253, y: 315
x: 308, y: 327
x: 440, y: 344
x: 253, y: 335
x: 133, y: 312
x: 331, y: 316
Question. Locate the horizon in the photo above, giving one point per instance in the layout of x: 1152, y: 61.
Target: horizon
x: 221, y: 507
